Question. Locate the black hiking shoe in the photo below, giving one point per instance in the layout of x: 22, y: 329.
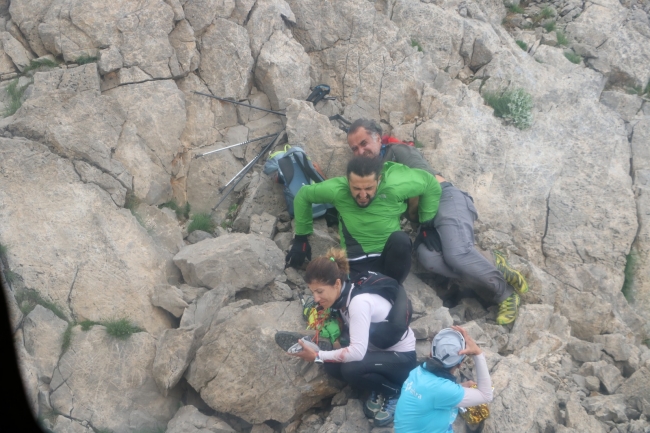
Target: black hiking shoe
x: 286, y: 340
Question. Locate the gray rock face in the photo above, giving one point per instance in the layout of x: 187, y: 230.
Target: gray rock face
x: 19, y: 56
x: 348, y: 418
x: 174, y: 352
x: 266, y: 17
x: 110, y: 381
x: 637, y: 385
x: 584, y: 351
x: 625, y: 105
x: 201, y: 13
x: 263, y: 225
x: 112, y: 265
x: 226, y: 61
x: 282, y: 70
x: 66, y: 425
x: 243, y: 354
x: 607, y: 407
x: 163, y: 227
x: 43, y: 334
x: 169, y: 298
x: 578, y: 419
x: 262, y: 195
x: 214, y: 262
x: 188, y: 419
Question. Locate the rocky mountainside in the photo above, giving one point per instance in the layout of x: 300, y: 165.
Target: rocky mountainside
x: 128, y: 319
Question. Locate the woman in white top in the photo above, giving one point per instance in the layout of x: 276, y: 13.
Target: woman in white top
x: 368, y: 317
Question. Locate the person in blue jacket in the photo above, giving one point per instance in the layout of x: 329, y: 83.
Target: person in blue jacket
x: 430, y: 396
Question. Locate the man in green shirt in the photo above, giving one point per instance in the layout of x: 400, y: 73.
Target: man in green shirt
x: 370, y: 201
x: 447, y: 246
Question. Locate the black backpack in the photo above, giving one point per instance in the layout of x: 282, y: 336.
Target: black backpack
x: 388, y: 333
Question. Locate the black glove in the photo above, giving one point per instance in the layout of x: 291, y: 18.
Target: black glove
x: 298, y: 252
x: 428, y: 235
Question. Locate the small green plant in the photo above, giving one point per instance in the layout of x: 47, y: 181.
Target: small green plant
x: 15, y: 94
x: 87, y: 324
x: 515, y: 106
x: 3, y: 249
x: 39, y: 64
x: 85, y: 60
x: 522, y: 45
x: 515, y: 9
x: 639, y: 90
x: 11, y: 276
x: 646, y: 342
x: 416, y: 44
x: 67, y: 338
x: 201, y: 221
x: 418, y: 144
x: 131, y: 202
x: 27, y: 299
x: 182, y: 212
x: 561, y: 38
x: 549, y: 26
x: 630, y: 265
x: 546, y: 13
x: 572, y: 57
x: 121, y: 328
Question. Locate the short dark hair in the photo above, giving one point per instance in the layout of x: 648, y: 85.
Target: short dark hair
x: 364, y: 166
x: 369, y: 125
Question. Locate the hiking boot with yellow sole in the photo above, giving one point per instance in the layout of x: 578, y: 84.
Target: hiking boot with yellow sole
x: 510, y: 274
x: 508, y: 310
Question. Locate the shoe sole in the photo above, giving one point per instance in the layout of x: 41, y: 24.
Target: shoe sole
x: 383, y: 423
x: 369, y: 414
x: 286, y: 339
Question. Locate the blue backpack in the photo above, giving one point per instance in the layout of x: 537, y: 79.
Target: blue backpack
x: 293, y: 169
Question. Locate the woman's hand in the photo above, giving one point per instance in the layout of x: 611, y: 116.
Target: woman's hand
x: 471, y: 348
x: 307, y: 354
x: 468, y: 384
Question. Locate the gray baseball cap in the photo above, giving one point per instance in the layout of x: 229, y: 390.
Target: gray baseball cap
x: 446, y: 345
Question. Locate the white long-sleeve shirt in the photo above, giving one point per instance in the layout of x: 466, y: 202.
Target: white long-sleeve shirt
x: 483, y: 391
x: 363, y: 310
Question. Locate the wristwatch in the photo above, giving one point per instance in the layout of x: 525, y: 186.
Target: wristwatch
x: 318, y: 360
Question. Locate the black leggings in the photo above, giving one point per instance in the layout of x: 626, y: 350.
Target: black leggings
x: 382, y: 372
x: 394, y: 262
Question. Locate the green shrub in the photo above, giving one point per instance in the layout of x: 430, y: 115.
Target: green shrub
x: 67, y: 338
x: 522, y: 45
x: 515, y: 106
x: 630, y: 265
x: 646, y: 90
x: 182, y: 212
x: 3, y: 249
x: 550, y: 26
x: 418, y: 144
x: 572, y: 57
x: 15, y: 94
x: 561, y: 38
x: 515, y: 9
x: 120, y: 328
x: 27, y: 299
x: 85, y: 60
x: 87, y: 324
x: 39, y: 64
x: 416, y: 44
x: 131, y: 202
x: 546, y: 13
x: 639, y: 90
x: 11, y: 276
x: 201, y: 221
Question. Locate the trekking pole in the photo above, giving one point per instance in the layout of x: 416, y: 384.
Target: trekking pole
x: 235, y: 176
x: 250, y: 165
x: 240, y: 103
x: 234, y: 145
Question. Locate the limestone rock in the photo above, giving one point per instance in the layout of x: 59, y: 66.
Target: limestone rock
x: 607, y: 407
x: 188, y: 419
x: 110, y: 60
x: 226, y: 61
x: 150, y: 137
x: 610, y: 377
x: 538, y: 332
x: 175, y: 350
x: 243, y: 354
x: 198, y: 236
x: 43, y: 334
x: 184, y: 43
x: 163, y: 227
x: 507, y: 414
x: 262, y: 195
x: 616, y: 345
x: 428, y: 326
x: 637, y: 385
x: 90, y: 174
x: 584, y: 351
x: 206, y: 310
x: 169, y: 298
x: 28, y: 372
x: 326, y: 145
x: 578, y: 419
x: 625, y: 105
x: 282, y: 70
x: 66, y: 425
x: 218, y: 261
x: 190, y: 294
x: 201, y: 13
x: 112, y: 265
x: 422, y: 296
x: 348, y: 418
x: 116, y: 389
x: 19, y: 56
x: 320, y: 239
x: 263, y: 225
x: 266, y: 17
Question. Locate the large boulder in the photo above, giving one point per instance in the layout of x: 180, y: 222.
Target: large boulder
x: 110, y: 383
x: 265, y: 18
x: 94, y: 261
x: 240, y: 260
x: 282, y: 70
x: 239, y: 368
x: 174, y: 352
x: 43, y: 333
x: 188, y: 419
x: 201, y: 13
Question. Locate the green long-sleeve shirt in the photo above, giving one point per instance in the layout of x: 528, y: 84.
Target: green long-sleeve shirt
x: 366, y: 230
